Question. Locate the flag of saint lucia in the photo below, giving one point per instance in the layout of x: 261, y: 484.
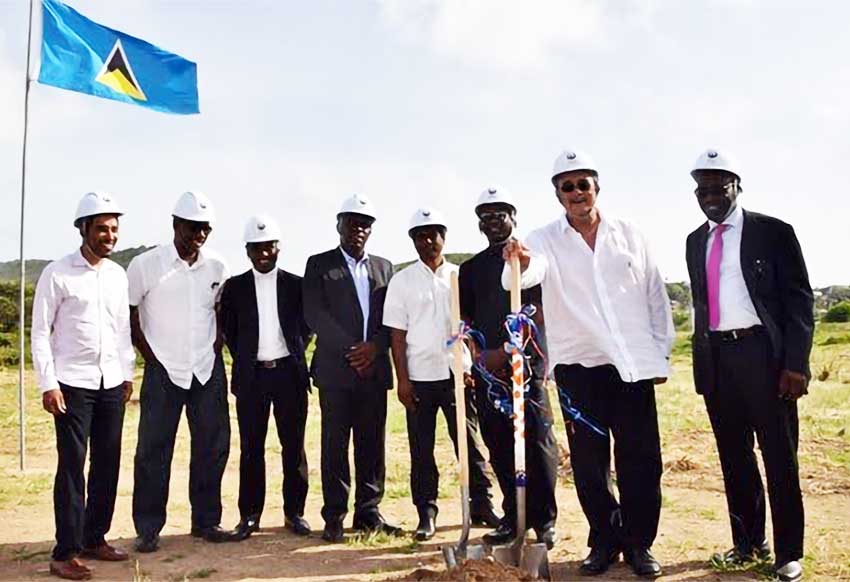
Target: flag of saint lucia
x: 81, y: 55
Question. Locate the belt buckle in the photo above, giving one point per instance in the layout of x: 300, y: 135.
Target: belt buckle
x: 734, y: 335
x: 269, y: 364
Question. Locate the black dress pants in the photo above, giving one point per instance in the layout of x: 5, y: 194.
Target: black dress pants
x: 162, y: 403
x: 83, y: 517
x: 628, y: 411
x: 541, y: 454
x: 272, y: 389
x: 745, y: 405
x: 421, y: 434
x: 361, y: 411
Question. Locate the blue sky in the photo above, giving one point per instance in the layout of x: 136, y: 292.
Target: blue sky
x: 421, y: 102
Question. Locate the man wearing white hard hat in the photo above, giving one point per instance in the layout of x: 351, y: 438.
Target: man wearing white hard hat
x: 484, y: 305
x: 609, y: 332
x: 753, y: 326
x: 417, y: 311
x: 174, y: 294
x: 84, y: 363
x: 264, y: 328
x: 344, y: 290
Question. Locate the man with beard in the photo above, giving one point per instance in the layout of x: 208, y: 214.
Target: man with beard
x: 609, y: 331
x: 84, y: 362
x: 264, y: 328
x: 174, y: 293
x: 417, y: 311
x: 753, y: 326
x: 484, y: 305
x: 344, y: 290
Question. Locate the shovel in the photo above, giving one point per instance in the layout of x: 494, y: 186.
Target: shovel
x: 530, y: 558
x: 455, y: 555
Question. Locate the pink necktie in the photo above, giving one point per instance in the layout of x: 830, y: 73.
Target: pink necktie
x: 715, y: 255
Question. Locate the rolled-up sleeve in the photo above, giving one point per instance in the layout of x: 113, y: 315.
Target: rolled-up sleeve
x: 660, y: 313
x: 538, y: 264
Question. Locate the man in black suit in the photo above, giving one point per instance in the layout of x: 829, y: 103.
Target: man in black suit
x: 344, y: 291
x: 752, y: 337
x: 265, y: 331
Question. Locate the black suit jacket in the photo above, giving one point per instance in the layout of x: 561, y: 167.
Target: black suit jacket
x: 240, y: 319
x: 778, y: 283
x: 333, y: 311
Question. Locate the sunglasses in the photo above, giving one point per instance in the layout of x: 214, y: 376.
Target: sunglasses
x: 494, y: 215
x: 582, y: 185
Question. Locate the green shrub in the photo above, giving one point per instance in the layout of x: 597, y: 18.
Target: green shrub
x: 838, y: 313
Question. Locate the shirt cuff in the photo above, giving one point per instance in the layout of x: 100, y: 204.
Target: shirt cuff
x: 48, y: 383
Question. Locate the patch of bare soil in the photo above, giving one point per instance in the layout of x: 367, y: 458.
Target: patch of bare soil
x: 469, y: 571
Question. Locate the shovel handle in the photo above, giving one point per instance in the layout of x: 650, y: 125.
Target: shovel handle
x: 518, y: 391
x: 460, y: 409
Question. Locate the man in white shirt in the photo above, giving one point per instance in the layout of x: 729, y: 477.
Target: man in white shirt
x: 417, y: 311
x: 263, y: 320
x: 609, y: 333
x: 84, y: 362
x: 753, y: 326
x: 174, y: 293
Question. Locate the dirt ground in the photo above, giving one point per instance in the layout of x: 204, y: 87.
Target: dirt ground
x: 693, y: 518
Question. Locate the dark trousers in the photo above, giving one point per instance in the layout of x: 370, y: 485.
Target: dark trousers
x: 360, y: 411
x: 541, y: 454
x: 162, y: 403
x: 421, y: 433
x: 278, y: 388
x: 628, y: 411
x: 745, y: 404
x: 83, y: 517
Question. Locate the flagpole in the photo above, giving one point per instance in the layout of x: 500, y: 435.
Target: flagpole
x: 22, y: 296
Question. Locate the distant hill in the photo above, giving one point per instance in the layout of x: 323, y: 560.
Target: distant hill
x: 11, y: 270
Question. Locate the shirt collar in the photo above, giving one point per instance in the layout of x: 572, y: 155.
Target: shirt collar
x: 171, y: 256
x: 436, y: 273
x: 734, y: 220
x: 78, y: 260
x: 264, y: 276
x: 567, y: 227
x: 351, y: 260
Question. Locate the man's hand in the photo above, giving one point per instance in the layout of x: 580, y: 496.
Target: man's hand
x: 128, y: 391
x: 658, y: 381
x: 792, y: 385
x: 468, y: 381
x: 361, y: 355
x: 515, y: 247
x: 54, y: 402
x: 407, y: 395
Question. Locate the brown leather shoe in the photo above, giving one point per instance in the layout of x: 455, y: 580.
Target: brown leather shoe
x: 105, y: 553
x: 72, y: 569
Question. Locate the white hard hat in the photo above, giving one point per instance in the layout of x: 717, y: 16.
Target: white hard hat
x: 712, y: 159
x: 571, y: 161
x: 195, y: 206
x: 495, y: 195
x: 426, y: 217
x: 261, y: 228
x: 94, y: 203
x: 357, y: 204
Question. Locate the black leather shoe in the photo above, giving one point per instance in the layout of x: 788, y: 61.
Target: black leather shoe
x: 245, y: 528
x: 482, y: 514
x: 375, y: 523
x: 599, y: 560
x: 789, y: 572
x: 213, y: 534
x: 298, y: 525
x: 146, y: 544
x: 427, y: 525
x: 643, y: 563
x: 740, y: 556
x: 499, y: 536
x: 547, y: 536
x: 333, y: 532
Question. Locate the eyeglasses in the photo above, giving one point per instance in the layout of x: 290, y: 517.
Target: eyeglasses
x: 582, y: 185
x: 495, y: 215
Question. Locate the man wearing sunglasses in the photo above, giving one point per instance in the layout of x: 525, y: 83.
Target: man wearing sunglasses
x: 753, y: 325
x: 484, y: 305
x: 609, y: 332
x: 174, y: 294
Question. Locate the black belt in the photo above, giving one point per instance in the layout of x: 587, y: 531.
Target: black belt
x: 270, y: 364
x: 733, y: 335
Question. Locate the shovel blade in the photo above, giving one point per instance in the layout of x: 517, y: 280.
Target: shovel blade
x: 507, y: 554
x: 535, y: 561
x: 455, y: 556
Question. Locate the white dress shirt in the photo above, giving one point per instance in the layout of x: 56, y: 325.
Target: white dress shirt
x: 270, y: 342
x: 736, y: 308
x: 81, y: 325
x: 360, y: 273
x: 419, y: 302
x: 177, y: 305
x: 607, y: 306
